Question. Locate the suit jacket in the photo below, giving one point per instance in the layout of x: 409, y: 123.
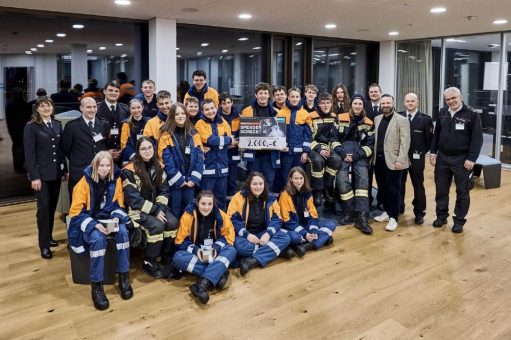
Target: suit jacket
x: 115, y: 120
x: 421, y: 133
x: 79, y: 146
x: 397, y: 140
x: 370, y: 113
x: 43, y: 153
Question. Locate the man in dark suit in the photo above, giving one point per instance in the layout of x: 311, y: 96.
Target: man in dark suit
x: 82, y: 139
x: 421, y: 133
x: 372, y: 106
x: 114, y: 113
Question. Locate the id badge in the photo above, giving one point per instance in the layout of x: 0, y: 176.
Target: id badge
x: 114, y: 131
x: 460, y: 126
x: 306, y: 213
x: 62, y: 166
x: 138, y: 136
x: 416, y: 155
x: 187, y: 150
x: 97, y: 137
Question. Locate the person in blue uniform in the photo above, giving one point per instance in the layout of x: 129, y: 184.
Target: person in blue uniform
x: 46, y: 168
x: 205, y: 245
x: 98, y: 196
x: 132, y: 129
x: 255, y: 214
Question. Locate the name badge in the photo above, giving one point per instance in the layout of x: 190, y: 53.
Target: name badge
x: 114, y: 131
x: 97, y: 137
x: 306, y: 213
x: 460, y: 126
x: 62, y: 166
x: 187, y: 150
x: 416, y: 156
x: 138, y: 136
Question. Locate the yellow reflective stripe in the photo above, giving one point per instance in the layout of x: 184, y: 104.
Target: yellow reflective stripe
x: 146, y: 208
x: 367, y: 151
x: 126, y: 183
x: 170, y: 233
x: 330, y: 171
x: 317, y: 174
x: 347, y: 196
x: 335, y: 144
x: 134, y: 214
x: 162, y: 199
x: 361, y: 193
x: 314, y: 144
x: 153, y: 238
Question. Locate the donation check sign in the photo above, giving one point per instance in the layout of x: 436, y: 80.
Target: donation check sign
x: 268, y: 133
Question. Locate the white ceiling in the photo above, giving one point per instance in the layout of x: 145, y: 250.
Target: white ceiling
x: 355, y: 19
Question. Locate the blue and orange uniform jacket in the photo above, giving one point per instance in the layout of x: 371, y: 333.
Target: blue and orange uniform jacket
x: 152, y: 128
x: 290, y: 218
x: 206, y: 93
x: 216, y: 135
x: 129, y: 138
x: 234, y: 123
x: 298, y: 128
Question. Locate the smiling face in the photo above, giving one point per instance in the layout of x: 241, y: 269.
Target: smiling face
x: 164, y: 105
x: 199, y: 82
x: 257, y: 186
x: 262, y: 97
x: 147, y: 89
x: 226, y: 106
x: 387, y: 105
x: 310, y: 95
x: 180, y: 117
x: 325, y: 105
x: 374, y: 93
x: 192, y: 109
x: 205, y: 205
x: 146, y: 150
x: 111, y: 93
x: 88, y: 108
x: 294, y: 98
x: 280, y: 97
x: 453, y: 100
x: 104, y: 167
x: 297, y: 180
x: 209, y: 110
x: 411, y: 102
x: 136, y: 109
x: 339, y: 94
x: 358, y: 106
x: 45, y: 110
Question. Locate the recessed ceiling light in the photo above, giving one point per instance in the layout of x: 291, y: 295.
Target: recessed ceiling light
x: 437, y: 10
x: 199, y: 53
x: 402, y: 51
x: 102, y: 48
x: 61, y: 35
x: 243, y: 39
x: 40, y: 45
x: 33, y: 49
x: 299, y: 43
x: 28, y: 52
x: 78, y: 26
x: 48, y: 41
x: 251, y: 56
x: 225, y: 51
x: 455, y: 40
x: 122, y: 2
x: 394, y: 33
x: 89, y: 51
x: 256, y: 48
x: 204, y: 44
x: 353, y: 53
x: 330, y: 26
x: 494, y: 45
x: 119, y: 44
x: 179, y: 56
x: 500, y: 22
x: 245, y: 16
x: 124, y: 55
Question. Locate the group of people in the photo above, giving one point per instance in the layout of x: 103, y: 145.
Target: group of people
x: 165, y: 175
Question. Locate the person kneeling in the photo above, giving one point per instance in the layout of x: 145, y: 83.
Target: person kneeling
x: 204, y: 244
x: 146, y: 193
x: 300, y: 216
x: 98, y: 197
x: 255, y: 214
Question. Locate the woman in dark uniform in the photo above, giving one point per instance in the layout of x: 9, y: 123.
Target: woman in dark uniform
x: 46, y: 168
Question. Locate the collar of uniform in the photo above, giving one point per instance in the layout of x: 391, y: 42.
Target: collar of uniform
x: 46, y: 121
x: 375, y: 104
x: 109, y: 104
x: 88, y: 120
x: 411, y: 113
x: 454, y: 112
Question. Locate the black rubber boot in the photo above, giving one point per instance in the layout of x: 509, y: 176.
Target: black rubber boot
x: 329, y: 241
x: 287, y: 253
x: 223, y: 281
x: 317, y: 197
x: 98, y: 296
x: 309, y: 246
x: 347, y: 218
x: 125, y: 286
x: 362, y: 225
x: 248, y: 263
x: 300, y: 249
x: 151, y: 268
x: 200, y: 290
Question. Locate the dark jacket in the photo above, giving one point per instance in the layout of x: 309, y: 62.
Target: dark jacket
x: 421, y: 130
x: 115, y: 120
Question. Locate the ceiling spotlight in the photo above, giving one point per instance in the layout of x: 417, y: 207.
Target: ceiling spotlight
x: 49, y: 41
x: 256, y: 48
x: 437, y: 10
x: 33, y: 49
x: 299, y: 43
x: 179, y: 56
x: 28, y: 52
x: 40, y: 45
x: 243, y: 39
x: 199, y: 53
x: 245, y: 16
x: 394, y: 33
x: 119, y: 44
x: 78, y: 26
x: 225, y: 51
x: 177, y: 48
x: 251, y: 56
x: 89, y: 51
x: 124, y: 55
x: 204, y: 44
x: 500, y: 22
x: 122, y: 2
x: 330, y: 26
x: 61, y: 35
x: 102, y: 48
x: 353, y: 53
x: 402, y: 51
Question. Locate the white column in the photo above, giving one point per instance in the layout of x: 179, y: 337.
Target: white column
x: 387, y: 74
x: 79, y: 64
x: 162, y: 54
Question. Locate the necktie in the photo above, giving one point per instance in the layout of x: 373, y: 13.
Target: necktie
x: 112, y: 108
x: 375, y: 109
x: 91, y: 127
x: 49, y: 126
x: 410, y: 117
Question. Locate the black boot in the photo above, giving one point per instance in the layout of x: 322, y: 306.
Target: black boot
x: 168, y: 271
x: 347, y: 218
x: 362, y: 225
x: 223, y: 281
x: 125, y: 286
x: 287, y: 253
x: 329, y: 241
x: 309, y: 246
x: 98, y: 296
x: 151, y: 268
x: 300, y: 249
x: 165, y: 259
x: 248, y: 263
x: 200, y: 290
x: 317, y: 197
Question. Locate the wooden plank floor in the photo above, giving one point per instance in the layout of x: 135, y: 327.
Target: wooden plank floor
x: 415, y: 283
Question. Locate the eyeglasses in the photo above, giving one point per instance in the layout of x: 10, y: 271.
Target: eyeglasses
x: 452, y: 98
x: 149, y: 148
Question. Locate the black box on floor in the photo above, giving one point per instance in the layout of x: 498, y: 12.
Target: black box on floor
x: 80, y: 264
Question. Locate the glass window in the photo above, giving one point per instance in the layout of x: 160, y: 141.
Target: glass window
x: 231, y: 59
x: 298, y: 63
x: 505, y: 147
x: 472, y: 65
x: 278, y: 62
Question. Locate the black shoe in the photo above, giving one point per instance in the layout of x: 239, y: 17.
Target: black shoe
x: 300, y: 249
x: 200, y: 290
x: 346, y: 219
x: 362, y: 224
x: 310, y: 246
x: 457, y: 228
x: 98, y: 296
x: 53, y: 243
x: 287, y: 253
x: 165, y: 259
x: 46, y: 253
x: 223, y: 281
x: 329, y: 241
x: 439, y: 222
x: 248, y: 263
x: 152, y: 268
x: 168, y: 271
x: 125, y: 286
x: 317, y: 197
x: 419, y: 219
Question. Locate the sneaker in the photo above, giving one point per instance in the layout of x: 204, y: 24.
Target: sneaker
x: 384, y: 217
x: 392, y: 225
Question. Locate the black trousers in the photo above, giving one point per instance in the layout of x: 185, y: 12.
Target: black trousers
x: 446, y: 168
x: 419, y: 193
x: 389, y: 186
x: 47, y: 199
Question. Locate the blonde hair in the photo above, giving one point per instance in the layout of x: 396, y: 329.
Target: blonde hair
x: 95, y: 165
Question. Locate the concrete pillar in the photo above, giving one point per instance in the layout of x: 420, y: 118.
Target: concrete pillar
x: 79, y: 64
x: 387, y: 75
x: 162, y: 54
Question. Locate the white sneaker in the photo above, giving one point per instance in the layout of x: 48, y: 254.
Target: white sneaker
x: 392, y: 225
x: 384, y: 217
